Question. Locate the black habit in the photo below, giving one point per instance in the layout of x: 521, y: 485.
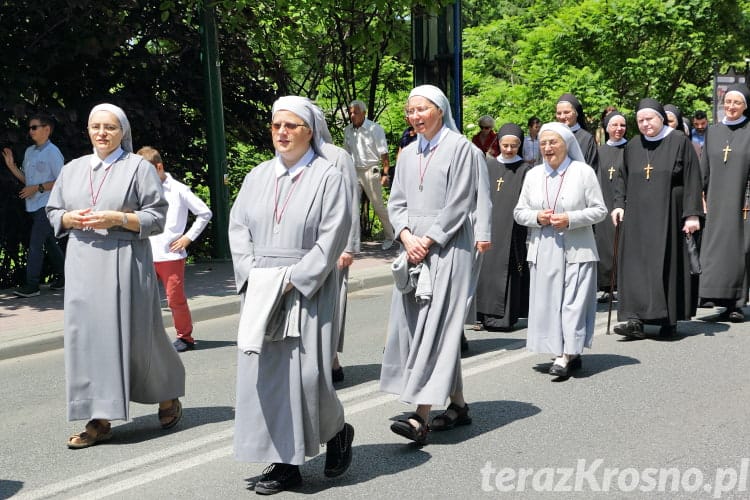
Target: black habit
x: 659, y: 187
x: 610, y: 161
x: 724, y: 248
x: 503, y: 289
x: 588, y: 148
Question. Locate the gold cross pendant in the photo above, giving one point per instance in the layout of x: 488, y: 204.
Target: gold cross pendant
x: 648, y: 168
x: 500, y: 182
x: 726, y: 151
x: 611, y: 172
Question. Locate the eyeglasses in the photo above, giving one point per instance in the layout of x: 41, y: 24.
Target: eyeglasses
x: 106, y: 127
x: 551, y: 143
x: 34, y: 127
x: 420, y: 110
x: 486, y: 128
x: 287, y: 125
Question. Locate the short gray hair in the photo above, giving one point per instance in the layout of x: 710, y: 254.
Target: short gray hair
x: 360, y: 105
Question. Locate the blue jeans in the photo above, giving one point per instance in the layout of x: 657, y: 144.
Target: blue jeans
x: 41, y: 236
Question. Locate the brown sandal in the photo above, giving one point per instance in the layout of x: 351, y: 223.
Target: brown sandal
x: 96, y: 432
x: 168, y: 417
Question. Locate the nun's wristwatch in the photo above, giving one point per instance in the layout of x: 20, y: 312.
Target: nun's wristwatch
x: 40, y: 188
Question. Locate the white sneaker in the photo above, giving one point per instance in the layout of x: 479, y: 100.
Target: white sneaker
x: 387, y: 244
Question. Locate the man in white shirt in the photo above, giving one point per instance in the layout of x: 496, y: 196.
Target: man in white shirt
x: 169, y: 247
x: 531, y: 154
x: 365, y: 141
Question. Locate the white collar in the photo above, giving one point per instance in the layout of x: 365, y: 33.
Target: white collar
x: 665, y: 131
x: 733, y: 122
x: 507, y: 162
x: 612, y: 143
x: 293, y: 171
x: 95, y: 161
x: 424, y: 143
x: 560, y: 170
x: 575, y: 128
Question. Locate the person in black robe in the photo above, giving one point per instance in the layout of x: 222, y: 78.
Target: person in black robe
x: 610, y: 161
x: 725, y: 165
x: 503, y: 289
x: 569, y: 111
x: 657, y: 199
x: 675, y: 119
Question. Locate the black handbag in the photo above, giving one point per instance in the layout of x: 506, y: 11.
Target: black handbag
x: 693, y: 255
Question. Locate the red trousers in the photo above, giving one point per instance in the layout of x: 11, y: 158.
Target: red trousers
x: 171, y: 273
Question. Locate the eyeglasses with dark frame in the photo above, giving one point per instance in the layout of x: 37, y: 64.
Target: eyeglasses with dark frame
x: 287, y: 125
x: 34, y: 127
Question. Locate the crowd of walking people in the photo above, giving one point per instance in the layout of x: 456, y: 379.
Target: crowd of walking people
x: 490, y: 230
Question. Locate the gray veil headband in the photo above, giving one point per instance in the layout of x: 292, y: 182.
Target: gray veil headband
x: 127, y: 137
x: 574, y: 150
x: 437, y: 96
x: 302, y: 107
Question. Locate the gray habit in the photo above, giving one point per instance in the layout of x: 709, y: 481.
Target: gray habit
x: 116, y: 349
x: 421, y: 362
x: 286, y: 403
x: 343, y: 161
x: 562, y: 263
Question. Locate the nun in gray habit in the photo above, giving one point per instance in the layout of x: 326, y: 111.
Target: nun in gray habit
x: 116, y: 349
x: 432, y: 198
x: 292, y: 213
x: 560, y: 202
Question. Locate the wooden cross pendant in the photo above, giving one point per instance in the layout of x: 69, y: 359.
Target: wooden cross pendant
x: 611, y: 171
x: 745, y: 210
x: 500, y: 182
x: 726, y: 151
x: 648, y: 168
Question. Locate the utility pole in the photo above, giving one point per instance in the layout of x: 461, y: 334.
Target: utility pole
x: 215, y: 138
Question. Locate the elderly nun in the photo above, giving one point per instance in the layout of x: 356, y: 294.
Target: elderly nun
x: 659, y: 190
x: 116, y: 348
x: 560, y: 202
x: 287, y: 229
x: 432, y: 199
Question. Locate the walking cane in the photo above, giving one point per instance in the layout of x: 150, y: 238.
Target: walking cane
x: 613, y: 274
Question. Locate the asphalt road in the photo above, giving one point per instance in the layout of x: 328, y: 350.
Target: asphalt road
x: 644, y: 419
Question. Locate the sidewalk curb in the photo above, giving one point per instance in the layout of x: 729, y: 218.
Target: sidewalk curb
x: 202, y: 308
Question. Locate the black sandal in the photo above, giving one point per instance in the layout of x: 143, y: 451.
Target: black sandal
x: 404, y: 428
x: 444, y: 422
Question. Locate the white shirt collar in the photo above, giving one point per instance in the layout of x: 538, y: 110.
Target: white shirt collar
x: 575, y: 127
x: 560, y: 170
x: 109, y: 160
x: 296, y: 169
x: 665, y: 131
x: 424, y: 143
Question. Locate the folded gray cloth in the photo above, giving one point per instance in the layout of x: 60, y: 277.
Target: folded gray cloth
x: 268, y: 314
x: 410, y: 278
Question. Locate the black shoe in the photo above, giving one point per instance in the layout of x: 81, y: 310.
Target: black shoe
x: 567, y: 370
x: 633, y: 329
x: 667, y: 331
x: 181, y: 345
x: 339, y: 452
x: 337, y: 374
x: 27, y: 291
x: 707, y: 304
x: 732, y: 315
x: 277, y: 478
x: 58, y: 284
x: 464, y: 343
